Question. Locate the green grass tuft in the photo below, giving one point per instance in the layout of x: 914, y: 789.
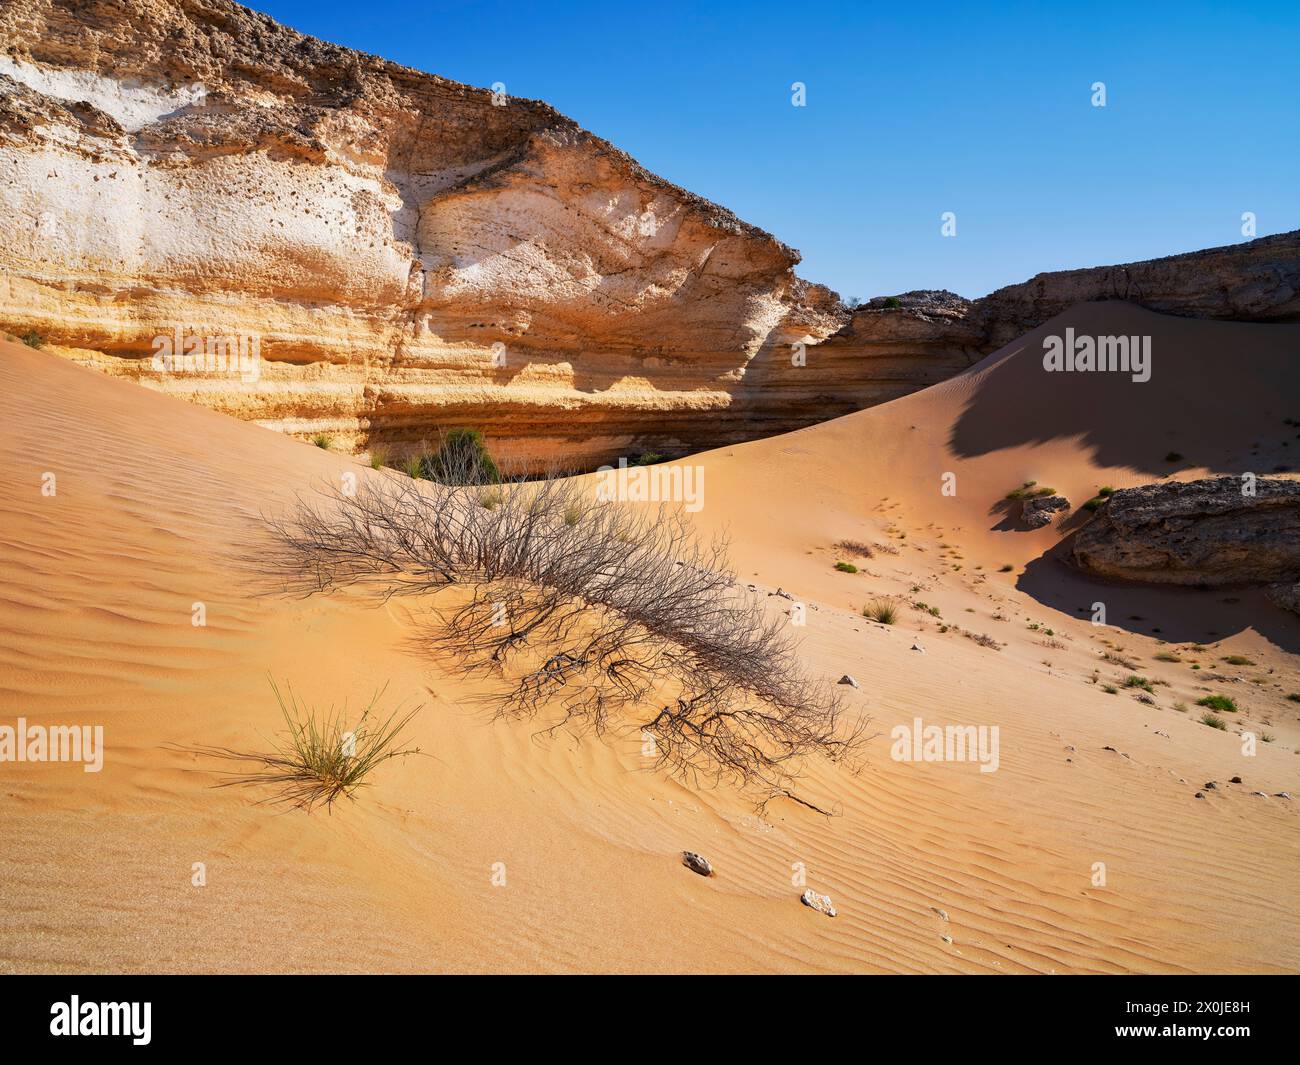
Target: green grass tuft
x: 320, y: 760
x: 881, y: 610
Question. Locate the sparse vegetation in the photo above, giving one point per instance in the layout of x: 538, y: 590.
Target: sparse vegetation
x: 846, y: 567
x: 621, y: 618
x: 1218, y: 702
x: 377, y: 458
x: 1030, y: 490
x: 1134, y: 681
x: 33, y: 339
x: 1166, y: 656
x: 321, y: 759
x: 462, y: 455
x: 1214, y: 721
x: 855, y: 547
x: 1237, y: 660
x: 323, y: 441
x: 881, y: 610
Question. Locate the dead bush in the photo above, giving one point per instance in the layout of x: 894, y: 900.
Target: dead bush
x: 591, y: 614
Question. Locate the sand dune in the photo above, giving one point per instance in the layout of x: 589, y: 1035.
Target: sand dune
x: 932, y: 867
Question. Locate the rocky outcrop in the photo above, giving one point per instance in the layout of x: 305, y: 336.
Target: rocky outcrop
x: 1037, y: 511
x: 366, y: 251
x: 1207, y: 532
x: 917, y: 338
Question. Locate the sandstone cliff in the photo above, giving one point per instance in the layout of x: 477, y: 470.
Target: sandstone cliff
x: 924, y: 336
x: 412, y: 254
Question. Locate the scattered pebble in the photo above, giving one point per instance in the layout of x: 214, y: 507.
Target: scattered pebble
x: 820, y: 903
x: 697, y: 863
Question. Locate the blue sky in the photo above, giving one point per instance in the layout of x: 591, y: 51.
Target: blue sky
x: 912, y: 110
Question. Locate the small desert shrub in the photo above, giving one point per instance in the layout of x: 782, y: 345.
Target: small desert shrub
x: 1110, y: 689
x: 1030, y: 490
x: 1119, y: 660
x: 1134, y: 681
x: 1218, y: 702
x: 1182, y: 708
x: 647, y: 458
x: 1267, y: 737
x: 1007, y: 568
x: 376, y: 458
x: 1145, y: 698
x: 984, y: 640
x: 1095, y: 503
x: 413, y: 467
x: 33, y: 339
x: 322, y: 441
x: 854, y: 547
x: 1214, y: 721
x: 892, y: 303
x: 320, y: 759
x: 926, y: 608
x: 881, y: 610
x: 622, y: 619
x: 846, y: 567
x: 1238, y: 660
x: 462, y: 458
x: 1166, y: 656
x: 1105, y: 491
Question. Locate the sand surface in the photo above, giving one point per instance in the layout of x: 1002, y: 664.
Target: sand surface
x: 932, y: 867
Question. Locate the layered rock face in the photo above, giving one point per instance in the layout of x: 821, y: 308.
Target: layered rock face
x: 909, y: 341
x: 1206, y: 532
x: 408, y: 253
x: 394, y: 254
